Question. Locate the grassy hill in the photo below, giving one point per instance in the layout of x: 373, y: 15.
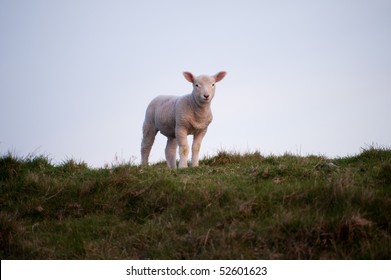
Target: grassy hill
x: 231, y: 207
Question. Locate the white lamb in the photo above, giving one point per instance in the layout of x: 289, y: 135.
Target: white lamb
x: 176, y: 117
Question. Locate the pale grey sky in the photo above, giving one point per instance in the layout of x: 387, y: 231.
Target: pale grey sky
x: 306, y: 77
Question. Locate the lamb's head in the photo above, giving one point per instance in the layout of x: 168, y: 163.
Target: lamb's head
x: 204, y: 86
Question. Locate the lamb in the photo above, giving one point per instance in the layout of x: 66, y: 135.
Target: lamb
x: 176, y: 117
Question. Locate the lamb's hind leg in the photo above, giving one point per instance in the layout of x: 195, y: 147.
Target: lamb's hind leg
x: 149, y: 133
x: 171, y: 152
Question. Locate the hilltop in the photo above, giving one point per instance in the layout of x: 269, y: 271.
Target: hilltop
x: 231, y: 207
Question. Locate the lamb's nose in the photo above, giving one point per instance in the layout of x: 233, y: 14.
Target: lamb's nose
x: 206, y: 96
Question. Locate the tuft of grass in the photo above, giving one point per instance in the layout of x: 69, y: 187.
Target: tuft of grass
x: 9, y: 167
x: 231, y: 207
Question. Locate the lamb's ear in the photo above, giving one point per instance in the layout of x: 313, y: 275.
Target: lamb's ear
x: 219, y: 76
x: 189, y: 76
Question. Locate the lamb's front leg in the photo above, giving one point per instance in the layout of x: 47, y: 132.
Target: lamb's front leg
x: 171, y: 152
x: 181, y: 136
x: 195, y: 150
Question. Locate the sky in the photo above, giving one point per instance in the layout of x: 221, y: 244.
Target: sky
x: 303, y: 77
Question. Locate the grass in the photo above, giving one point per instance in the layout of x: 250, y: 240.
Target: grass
x: 231, y: 207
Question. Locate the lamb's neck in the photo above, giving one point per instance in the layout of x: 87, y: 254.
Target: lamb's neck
x: 200, y: 109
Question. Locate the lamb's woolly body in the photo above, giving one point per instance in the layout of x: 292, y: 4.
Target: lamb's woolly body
x: 176, y: 117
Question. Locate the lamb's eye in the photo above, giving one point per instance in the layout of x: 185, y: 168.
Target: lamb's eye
x: 197, y: 85
x: 213, y: 85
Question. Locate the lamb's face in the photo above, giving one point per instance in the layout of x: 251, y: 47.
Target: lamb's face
x: 204, y: 88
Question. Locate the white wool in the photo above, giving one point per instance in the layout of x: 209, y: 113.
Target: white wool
x: 176, y: 117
